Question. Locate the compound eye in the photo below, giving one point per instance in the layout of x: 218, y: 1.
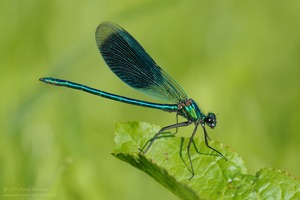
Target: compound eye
x: 211, y: 120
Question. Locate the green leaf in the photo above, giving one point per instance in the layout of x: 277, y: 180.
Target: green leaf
x: 215, y: 178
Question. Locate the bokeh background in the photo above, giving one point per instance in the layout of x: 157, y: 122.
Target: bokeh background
x: 240, y: 60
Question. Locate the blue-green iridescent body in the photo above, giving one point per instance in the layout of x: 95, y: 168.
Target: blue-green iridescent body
x: 134, y: 66
x: 59, y: 82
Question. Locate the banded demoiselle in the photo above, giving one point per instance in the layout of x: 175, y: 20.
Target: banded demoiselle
x: 134, y: 66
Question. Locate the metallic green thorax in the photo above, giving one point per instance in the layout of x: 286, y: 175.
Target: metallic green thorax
x: 190, y: 110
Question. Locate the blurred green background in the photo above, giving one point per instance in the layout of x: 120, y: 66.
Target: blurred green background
x: 238, y: 59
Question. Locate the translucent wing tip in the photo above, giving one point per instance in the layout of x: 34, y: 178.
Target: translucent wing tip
x: 104, y: 31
